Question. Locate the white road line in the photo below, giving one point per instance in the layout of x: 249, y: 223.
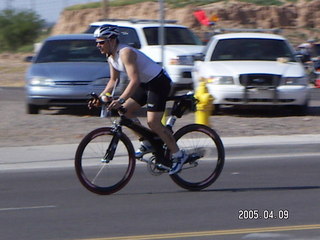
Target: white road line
x: 26, y: 208
x: 270, y: 156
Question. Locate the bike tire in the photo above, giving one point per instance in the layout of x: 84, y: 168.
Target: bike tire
x: 104, y: 177
x: 202, y: 140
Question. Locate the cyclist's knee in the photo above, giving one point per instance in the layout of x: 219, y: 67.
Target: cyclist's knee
x: 154, y: 120
x: 154, y: 124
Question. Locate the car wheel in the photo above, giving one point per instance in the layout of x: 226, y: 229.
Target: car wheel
x: 32, y: 109
x: 301, y: 110
x: 216, y: 109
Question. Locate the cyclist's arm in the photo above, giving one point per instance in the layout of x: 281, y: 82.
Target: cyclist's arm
x: 114, y: 75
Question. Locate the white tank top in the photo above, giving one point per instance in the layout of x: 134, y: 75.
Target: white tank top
x: 147, y: 68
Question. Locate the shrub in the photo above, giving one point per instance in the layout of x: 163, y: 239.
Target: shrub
x: 18, y: 28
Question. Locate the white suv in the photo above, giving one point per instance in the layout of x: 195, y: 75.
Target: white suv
x: 180, y: 44
x: 252, y: 69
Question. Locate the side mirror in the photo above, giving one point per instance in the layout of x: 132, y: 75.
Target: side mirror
x: 198, y: 57
x: 28, y: 59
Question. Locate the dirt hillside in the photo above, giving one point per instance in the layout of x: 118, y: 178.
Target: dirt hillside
x: 300, y: 21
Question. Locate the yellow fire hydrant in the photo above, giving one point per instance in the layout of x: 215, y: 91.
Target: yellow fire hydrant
x: 204, y: 106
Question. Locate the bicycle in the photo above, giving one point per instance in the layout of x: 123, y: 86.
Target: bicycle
x: 105, y: 158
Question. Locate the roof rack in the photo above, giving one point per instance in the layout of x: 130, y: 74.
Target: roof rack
x: 135, y: 20
x: 257, y: 30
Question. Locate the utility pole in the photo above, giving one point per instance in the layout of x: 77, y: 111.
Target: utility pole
x: 161, y: 33
x: 105, y: 8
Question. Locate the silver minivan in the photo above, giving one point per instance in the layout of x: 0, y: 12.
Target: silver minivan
x: 65, y: 70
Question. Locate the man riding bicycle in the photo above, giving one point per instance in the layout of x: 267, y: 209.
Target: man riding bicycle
x: 148, y: 84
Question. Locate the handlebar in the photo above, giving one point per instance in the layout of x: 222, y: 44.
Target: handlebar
x: 121, y: 110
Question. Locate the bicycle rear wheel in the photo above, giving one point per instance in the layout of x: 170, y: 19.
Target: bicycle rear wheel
x: 96, y: 172
x: 206, y: 157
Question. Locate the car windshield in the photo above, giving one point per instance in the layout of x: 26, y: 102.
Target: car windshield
x: 69, y: 51
x: 252, y: 49
x: 173, y: 36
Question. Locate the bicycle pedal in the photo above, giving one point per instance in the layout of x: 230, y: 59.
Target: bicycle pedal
x: 163, y: 167
x: 143, y: 160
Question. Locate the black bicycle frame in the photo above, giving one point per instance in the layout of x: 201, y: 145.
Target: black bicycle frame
x: 181, y: 104
x: 161, y: 153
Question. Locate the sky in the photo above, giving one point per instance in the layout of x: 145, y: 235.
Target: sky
x: 49, y: 10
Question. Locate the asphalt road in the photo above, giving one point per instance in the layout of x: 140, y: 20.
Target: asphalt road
x: 283, y: 189
x: 49, y: 203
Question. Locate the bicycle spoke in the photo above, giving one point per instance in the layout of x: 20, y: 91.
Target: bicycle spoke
x: 104, y: 177
x: 94, y: 179
x: 206, y: 157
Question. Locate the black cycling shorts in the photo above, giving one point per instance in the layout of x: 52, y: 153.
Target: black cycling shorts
x: 154, y: 93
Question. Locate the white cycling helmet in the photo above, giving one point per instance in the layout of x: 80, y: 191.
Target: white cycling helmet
x: 107, y: 32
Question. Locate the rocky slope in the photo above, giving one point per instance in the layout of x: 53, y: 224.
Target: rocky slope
x: 300, y: 21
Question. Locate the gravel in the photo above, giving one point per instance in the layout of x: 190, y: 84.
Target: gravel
x: 61, y: 126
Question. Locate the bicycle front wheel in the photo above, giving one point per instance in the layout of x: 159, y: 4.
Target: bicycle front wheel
x: 98, y: 170
x: 206, y: 157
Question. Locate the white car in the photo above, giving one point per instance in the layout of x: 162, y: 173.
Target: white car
x: 252, y: 69
x: 180, y: 44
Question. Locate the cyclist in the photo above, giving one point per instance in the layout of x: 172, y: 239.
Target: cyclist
x: 148, y: 84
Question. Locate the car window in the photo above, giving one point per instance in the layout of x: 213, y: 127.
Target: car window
x: 251, y: 49
x: 173, y: 36
x: 69, y: 51
x: 129, y: 36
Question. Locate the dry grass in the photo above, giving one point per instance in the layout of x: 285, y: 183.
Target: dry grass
x: 12, y: 69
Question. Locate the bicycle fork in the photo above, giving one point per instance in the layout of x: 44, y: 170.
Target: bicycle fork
x: 108, y: 156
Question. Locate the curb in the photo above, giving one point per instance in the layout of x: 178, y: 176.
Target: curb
x: 62, y: 156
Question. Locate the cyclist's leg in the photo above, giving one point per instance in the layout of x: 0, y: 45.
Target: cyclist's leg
x: 135, y: 102
x: 155, y: 124
x: 132, y: 107
x: 158, y: 90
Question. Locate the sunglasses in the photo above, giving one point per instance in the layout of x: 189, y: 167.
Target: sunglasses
x: 100, y: 42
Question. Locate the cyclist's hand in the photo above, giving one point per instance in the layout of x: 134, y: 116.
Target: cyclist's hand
x: 94, y: 102
x: 97, y: 101
x: 115, y: 104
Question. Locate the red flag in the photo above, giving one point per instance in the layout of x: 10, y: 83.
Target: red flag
x: 202, y: 18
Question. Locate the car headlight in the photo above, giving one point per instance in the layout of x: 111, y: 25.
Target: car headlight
x: 295, y: 81
x: 100, y: 81
x: 182, y: 60
x: 220, y: 80
x: 41, y: 81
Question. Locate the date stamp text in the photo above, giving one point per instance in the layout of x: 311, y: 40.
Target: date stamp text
x: 256, y: 214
